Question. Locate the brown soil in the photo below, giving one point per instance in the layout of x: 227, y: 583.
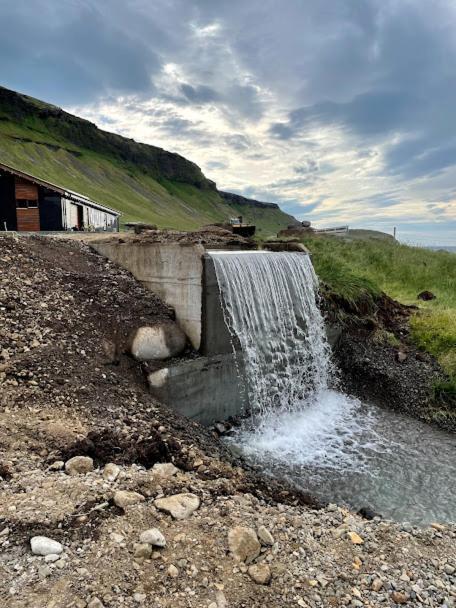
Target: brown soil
x: 378, y: 361
x: 68, y: 388
x: 210, y: 237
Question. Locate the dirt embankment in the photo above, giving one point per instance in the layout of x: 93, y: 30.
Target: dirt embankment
x: 68, y: 390
x: 379, y: 362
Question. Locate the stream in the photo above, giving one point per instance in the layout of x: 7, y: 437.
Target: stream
x: 347, y: 452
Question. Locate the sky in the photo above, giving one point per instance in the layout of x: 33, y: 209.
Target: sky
x: 342, y: 111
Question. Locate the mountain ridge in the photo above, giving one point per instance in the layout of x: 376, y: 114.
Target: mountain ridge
x: 142, y: 181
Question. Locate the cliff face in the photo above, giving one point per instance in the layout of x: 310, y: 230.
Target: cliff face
x: 143, y: 182
x: 82, y: 133
x: 241, y: 200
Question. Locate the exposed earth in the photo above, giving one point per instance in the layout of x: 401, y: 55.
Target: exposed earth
x: 83, y: 453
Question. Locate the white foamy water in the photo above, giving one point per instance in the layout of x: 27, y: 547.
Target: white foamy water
x: 270, y: 307
x: 323, y: 441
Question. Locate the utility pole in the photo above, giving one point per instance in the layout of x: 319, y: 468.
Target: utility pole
x: 394, y: 232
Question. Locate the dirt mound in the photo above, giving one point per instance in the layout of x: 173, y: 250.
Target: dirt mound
x: 210, y: 237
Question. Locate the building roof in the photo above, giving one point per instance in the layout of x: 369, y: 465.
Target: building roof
x: 75, y: 196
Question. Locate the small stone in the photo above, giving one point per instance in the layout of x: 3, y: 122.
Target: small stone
x: 243, y: 544
x: 260, y: 574
x: 95, y: 603
x: 164, y: 469
x: 56, y: 466
x: 140, y: 598
x: 355, y: 538
x: 357, y: 563
x: 377, y: 584
x: 399, y: 597
x: 438, y: 527
x: 44, y: 571
x: 41, y: 545
x: 124, y: 498
x: 179, y: 506
x: 153, y: 537
x: 265, y: 536
x: 173, y: 572
x: 111, y: 472
x: 79, y: 465
x: 449, y: 569
x: 142, y: 550
x: 51, y: 557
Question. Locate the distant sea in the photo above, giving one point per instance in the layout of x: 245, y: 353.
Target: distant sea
x: 450, y: 248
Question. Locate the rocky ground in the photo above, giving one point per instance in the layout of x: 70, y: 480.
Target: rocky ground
x: 378, y: 362
x: 139, y: 507
x: 211, y: 237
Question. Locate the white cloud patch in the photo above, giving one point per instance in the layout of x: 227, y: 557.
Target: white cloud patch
x: 341, y: 111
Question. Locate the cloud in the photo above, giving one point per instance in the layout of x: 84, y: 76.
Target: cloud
x: 343, y: 111
x: 199, y: 94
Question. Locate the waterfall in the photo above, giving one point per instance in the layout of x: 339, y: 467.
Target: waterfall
x: 303, y: 430
x: 270, y: 307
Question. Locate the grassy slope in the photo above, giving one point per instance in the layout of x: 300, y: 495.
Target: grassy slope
x: 358, y: 267
x: 33, y: 145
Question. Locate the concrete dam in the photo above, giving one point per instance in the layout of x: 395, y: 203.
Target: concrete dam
x: 197, y: 283
x: 261, y: 348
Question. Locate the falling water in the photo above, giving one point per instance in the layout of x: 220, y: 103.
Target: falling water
x: 302, y: 428
x: 270, y: 307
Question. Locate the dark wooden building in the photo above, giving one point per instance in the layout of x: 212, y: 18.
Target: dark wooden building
x: 30, y: 204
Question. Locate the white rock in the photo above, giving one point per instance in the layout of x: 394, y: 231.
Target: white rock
x: 51, y: 557
x: 158, y: 342
x: 158, y: 379
x: 173, y: 572
x: 56, y: 466
x: 164, y: 469
x: 179, y: 506
x: 124, y: 498
x: 41, y: 545
x: 265, y: 536
x: 153, y: 537
x: 79, y: 465
x: 111, y: 471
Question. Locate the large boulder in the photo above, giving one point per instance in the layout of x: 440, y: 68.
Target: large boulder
x: 157, y: 342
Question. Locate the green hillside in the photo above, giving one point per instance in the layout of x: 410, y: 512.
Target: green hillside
x: 359, y: 269
x: 143, y: 182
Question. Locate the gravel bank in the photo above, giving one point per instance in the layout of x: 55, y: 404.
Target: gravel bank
x: 225, y: 537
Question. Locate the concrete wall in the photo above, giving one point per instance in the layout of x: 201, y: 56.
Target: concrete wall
x: 206, y: 389
x: 215, y: 336
x: 172, y: 271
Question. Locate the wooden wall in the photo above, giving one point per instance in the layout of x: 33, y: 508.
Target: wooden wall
x: 26, y: 190
x: 28, y: 220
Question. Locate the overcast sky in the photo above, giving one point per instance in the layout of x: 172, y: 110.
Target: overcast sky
x: 343, y: 111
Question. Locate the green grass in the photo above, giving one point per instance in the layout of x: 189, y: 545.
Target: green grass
x: 357, y: 269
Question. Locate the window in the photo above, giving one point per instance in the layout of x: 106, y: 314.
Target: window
x: 26, y: 204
